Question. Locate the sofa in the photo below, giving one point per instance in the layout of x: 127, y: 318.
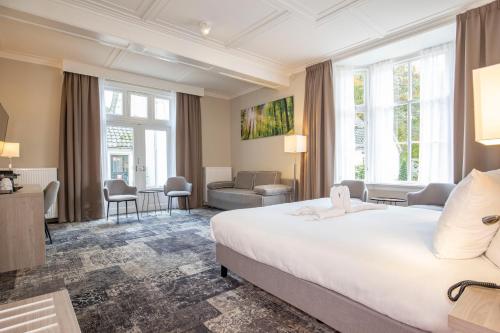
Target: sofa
x: 248, y: 190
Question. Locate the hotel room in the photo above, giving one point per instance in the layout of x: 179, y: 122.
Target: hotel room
x: 250, y: 166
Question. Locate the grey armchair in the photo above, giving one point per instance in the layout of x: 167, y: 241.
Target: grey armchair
x: 177, y: 187
x: 49, y: 198
x: 357, y: 189
x: 117, y: 190
x: 433, y: 196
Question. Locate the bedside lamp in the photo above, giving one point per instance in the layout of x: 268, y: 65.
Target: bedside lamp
x: 486, y: 82
x: 10, y: 150
x: 295, y: 144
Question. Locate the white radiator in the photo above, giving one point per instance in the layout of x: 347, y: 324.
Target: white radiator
x: 39, y: 176
x: 215, y: 174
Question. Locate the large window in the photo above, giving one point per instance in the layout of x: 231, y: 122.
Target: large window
x: 399, y: 119
x: 406, y: 85
x: 139, y: 145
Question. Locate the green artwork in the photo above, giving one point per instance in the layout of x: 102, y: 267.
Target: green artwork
x: 269, y: 119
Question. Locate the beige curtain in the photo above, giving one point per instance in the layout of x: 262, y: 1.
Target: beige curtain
x: 80, y: 196
x: 316, y: 174
x: 478, y: 45
x: 188, y: 145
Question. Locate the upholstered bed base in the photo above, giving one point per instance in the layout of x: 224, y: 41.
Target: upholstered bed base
x: 335, y: 310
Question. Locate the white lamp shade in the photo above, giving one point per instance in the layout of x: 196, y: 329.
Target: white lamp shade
x: 10, y: 149
x: 487, y: 104
x: 295, y: 144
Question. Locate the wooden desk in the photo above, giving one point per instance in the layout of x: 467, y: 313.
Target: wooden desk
x: 49, y: 313
x: 22, y: 238
x: 476, y: 311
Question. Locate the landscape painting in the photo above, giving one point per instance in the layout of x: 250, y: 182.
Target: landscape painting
x: 269, y: 119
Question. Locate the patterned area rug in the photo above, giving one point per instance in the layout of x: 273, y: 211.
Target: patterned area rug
x: 156, y: 275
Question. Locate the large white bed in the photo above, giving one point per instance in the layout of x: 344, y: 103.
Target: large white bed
x: 381, y: 259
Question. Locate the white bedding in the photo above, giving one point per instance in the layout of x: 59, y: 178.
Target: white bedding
x: 380, y: 258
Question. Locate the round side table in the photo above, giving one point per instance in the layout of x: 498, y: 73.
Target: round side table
x: 146, y: 194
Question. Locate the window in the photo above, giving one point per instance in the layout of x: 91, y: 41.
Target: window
x: 162, y: 108
x: 138, y: 106
x: 407, y: 118
x: 113, y: 101
x: 359, y: 123
x: 156, y: 157
x: 406, y: 84
x: 139, y: 145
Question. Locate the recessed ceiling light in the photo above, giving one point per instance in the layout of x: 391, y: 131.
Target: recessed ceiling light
x: 205, y: 27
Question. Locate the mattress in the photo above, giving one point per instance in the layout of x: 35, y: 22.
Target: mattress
x: 380, y: 258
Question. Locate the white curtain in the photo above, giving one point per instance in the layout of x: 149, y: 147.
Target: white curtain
x: 382, y: 154
x: 436, y: 110
x: 344, y: 120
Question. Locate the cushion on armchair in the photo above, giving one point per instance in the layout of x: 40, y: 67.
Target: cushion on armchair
x: 272, y: 189
x: 220, y: 184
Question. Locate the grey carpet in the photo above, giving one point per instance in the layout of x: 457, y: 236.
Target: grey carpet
x: 156, y: 275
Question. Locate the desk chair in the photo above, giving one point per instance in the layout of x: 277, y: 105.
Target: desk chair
x: 49, y: 198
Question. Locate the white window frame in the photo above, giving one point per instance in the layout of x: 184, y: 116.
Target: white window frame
x: 363, y: 108
x: 126, y: 120
x: 408, y: 62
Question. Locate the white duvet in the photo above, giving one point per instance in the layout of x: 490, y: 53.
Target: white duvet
x: 379, y: 258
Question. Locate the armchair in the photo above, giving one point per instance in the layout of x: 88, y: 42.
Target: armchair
x: 433, y: 196
x: 178, y: 187
x: 357, y: 189
x: 116, y: 190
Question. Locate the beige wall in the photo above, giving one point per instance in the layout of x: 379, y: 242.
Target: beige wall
x: 215, y: 128
x: 31, y: 95
x: 266, y: 153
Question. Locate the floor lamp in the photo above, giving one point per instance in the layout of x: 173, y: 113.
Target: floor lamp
x: 486, y: 83
x: 295, y: 144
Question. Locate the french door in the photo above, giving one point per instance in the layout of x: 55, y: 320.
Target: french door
x: 138, y: 154
x: 138, y: 145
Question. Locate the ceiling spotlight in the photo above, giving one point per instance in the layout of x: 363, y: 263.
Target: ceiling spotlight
x: 205, y: 28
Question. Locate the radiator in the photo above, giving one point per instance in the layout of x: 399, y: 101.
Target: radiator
x: 215, y: 174
x: 39, y: 176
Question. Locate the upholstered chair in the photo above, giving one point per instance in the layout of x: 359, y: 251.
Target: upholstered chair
x: 357, y: 189
x: 116, y: 190
x: 49, y: 198
x: 177, y: 187
x: 433, y: 196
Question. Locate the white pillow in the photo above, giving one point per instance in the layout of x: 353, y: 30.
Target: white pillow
x: 460, y: 233
x: 493, y: 252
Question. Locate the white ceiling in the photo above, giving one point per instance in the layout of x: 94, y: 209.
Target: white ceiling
x: 34, y: 40
x: 261, y: 41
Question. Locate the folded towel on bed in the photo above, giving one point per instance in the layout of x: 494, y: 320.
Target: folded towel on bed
x: 319, y: 213
x: 341, y: 205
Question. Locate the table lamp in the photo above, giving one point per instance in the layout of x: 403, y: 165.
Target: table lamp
x: 295, y: 144
x: 10, y: 150
x: 486, y: 83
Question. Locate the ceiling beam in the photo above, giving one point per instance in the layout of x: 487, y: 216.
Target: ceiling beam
x: 141, y: 32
